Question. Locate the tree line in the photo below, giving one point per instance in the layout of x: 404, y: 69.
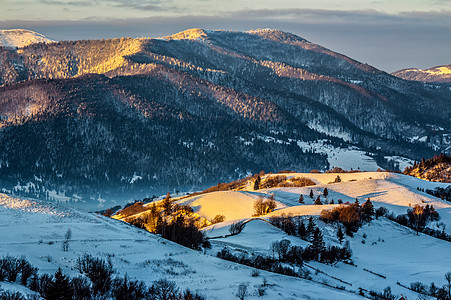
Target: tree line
x: 95, y: 281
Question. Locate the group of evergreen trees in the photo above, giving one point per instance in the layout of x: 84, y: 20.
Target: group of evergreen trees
x: 439, y: 192
x: 434, y: 169
x: 318, y: 200
x: 168, y: 220
x: 311, y: 233
x: 97, y: 282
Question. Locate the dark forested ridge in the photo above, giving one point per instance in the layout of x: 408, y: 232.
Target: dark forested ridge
x: 200, y: 107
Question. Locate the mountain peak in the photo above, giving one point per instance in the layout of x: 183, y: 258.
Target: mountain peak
x: 21, y: 38
x: 277, y: 35
x: 439, y: 74
x: 189, y: 34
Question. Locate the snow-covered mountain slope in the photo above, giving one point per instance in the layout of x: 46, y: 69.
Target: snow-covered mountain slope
x: 21, y: 38
x: 384, y: 252
x: 397, y: 192
x: 36, y: 230
x: 440, y: 74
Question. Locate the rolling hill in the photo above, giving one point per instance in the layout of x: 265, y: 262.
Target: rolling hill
x: 384, y: 253
x: 36, y: 230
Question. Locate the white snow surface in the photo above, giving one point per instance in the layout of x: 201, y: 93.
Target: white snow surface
x: 21, y: 38
x: 231, y: 204
x: 382, y: 246
x: 351, y: 158
x: 36, y: 229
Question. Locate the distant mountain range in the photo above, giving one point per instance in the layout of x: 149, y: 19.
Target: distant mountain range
x: 440, y: 74
x: 100, y: 119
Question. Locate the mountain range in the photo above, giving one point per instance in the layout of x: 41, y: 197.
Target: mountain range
x: 439, y: 74
x: 139, y: 116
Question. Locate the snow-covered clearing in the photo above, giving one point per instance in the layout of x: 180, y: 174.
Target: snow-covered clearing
x: 232, y: 204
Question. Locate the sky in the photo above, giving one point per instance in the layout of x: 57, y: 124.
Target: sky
x: 389, y: 35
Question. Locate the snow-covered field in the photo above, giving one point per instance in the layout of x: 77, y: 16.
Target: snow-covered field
x: 36, y: 230
x: 231, y: 204
x: 382, y: 246
x: 384, y: 253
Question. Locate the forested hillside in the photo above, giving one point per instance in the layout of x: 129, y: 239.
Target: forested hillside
x: 198, y: 108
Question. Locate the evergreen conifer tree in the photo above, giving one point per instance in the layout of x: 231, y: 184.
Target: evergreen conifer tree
x: 302, y: 231
x: 368, y: 209
x: 318, y: 245
x: 301, y: 199
x: 318, y: 201
x: 310, y: 227
x: 340, y: 234
x: 61, y: 288
x: 167, y: 205
x: 311, y: 194
x: 325, y: 192
x: 257, y: 183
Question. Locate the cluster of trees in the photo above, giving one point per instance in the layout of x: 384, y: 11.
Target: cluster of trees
x: 434, y: 169
x: 419, y: 216
x: 96, y: 282
x: 281, y: 181
x: 439, y: 192
x: 262, y: 262
x: 12, y: 268
x: 236, y: 227
x: 186, y: 234
x: 386, y: 294
x: 263, y: 206
x: 170, y: 220
x: 441, y: 293
x: 316, y: 251
x: 352, y: 216
x: 318, y: 200
x: 417, y: 219
x: 311, y: 233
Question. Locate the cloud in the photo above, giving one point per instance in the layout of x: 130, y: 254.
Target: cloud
x: 154, y: 5
x: 324, y: 16
x: 145, y: 5
x: 68, y: 3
